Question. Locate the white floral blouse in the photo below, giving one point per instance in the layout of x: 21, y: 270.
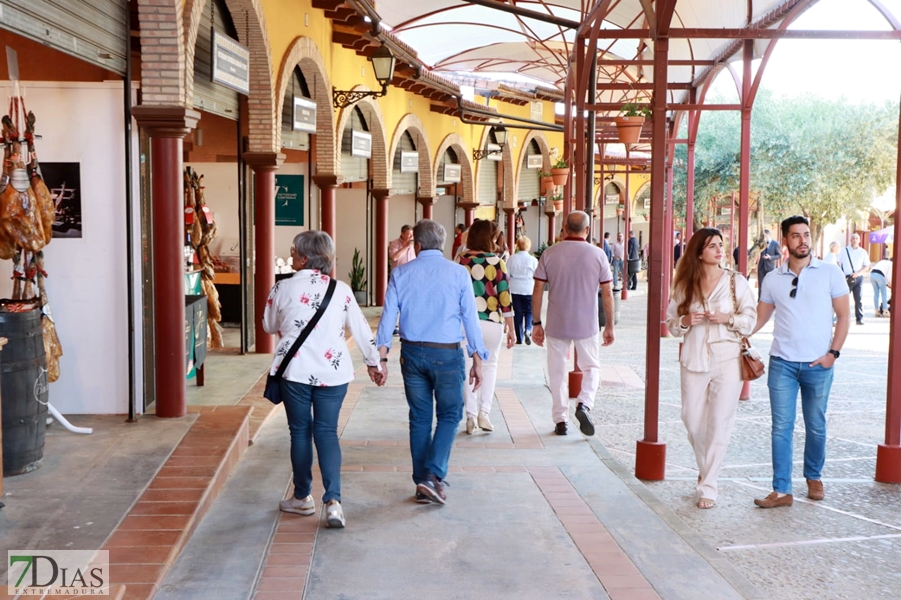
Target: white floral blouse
x: 323, y: 359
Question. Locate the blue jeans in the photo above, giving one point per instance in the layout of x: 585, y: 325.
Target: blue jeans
x: 522, y: 315
x: 433, y: 384
x: 785, y: 378
x: 313, y: 415
x: 617, y: 271
x: 879, y: 288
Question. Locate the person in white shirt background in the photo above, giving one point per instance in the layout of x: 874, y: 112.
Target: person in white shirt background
x: 831, y: 257
x: 855, y: 262
x: 521, y: 269
x: 881, y: 278
x: 702, y: 309
x: 315, y: 381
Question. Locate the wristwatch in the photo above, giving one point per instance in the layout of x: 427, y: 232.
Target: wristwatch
x: 731, y: 320
x: 835, y: 353
x: 536, y: 322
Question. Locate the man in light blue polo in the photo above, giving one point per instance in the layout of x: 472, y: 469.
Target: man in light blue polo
x: 435, y: 300
x: 803, y: 293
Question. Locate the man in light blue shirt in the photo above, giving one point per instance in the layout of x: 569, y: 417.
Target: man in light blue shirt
x: 436, y: 303
x: 803, y: 293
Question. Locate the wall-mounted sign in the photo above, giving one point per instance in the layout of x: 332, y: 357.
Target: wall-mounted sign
x: 496, y: 153
x: 536, y: 110
x: 611, y: 199
x: 304, y: 115
x: 409, y: 162
x: 361, y: 144
x: 440, y: 191
x: 534, y: 161
x: 289, y: 200
x: 231, y: 63
x: 452, y: 173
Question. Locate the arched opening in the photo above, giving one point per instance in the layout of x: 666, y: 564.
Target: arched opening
x: 353, y: 228
x: 530, y: 203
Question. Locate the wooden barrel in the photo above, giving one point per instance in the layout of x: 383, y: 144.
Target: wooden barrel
x: 23, y: 391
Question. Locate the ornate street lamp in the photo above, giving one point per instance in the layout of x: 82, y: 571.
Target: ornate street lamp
x: 500, y: 138
x: 383, y: 64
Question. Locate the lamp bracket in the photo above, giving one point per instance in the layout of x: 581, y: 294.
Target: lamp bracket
x: 345, y: 98
x: 479, y: 154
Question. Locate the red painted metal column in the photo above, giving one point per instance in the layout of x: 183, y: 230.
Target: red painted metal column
x: 627, y: 225
x: 690, y: 170
x: 511, y: 229
x: 264, y: 165
x: 650, y: 453
x: 427, y: 203
x: 167, y: 127
x: 888, y: 455
x: 469, y: 210
x: 667, y: 247
x: 327, y: 185
x: 551, y: 224
x: 381, y: 244
x: 744, y: 181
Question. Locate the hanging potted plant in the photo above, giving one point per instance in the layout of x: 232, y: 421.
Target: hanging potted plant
x: 357, y: 277
x: 620, y: 208
x: 631, y: 119
x: 547, y: 183
x: 560, y: 172
x: 558, y: 202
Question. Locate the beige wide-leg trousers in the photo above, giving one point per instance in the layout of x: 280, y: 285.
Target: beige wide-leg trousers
x: 709, y: 403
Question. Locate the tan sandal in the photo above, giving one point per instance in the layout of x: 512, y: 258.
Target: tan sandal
x: 706, y: 503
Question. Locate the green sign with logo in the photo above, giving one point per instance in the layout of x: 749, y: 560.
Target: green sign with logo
x: 289, y: 200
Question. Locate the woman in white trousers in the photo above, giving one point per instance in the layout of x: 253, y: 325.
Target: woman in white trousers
x: 494, y: 304
x: 702, y: 308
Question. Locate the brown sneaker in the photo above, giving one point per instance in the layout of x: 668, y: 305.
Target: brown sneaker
x: 815, y: 489
x: 774, y: 501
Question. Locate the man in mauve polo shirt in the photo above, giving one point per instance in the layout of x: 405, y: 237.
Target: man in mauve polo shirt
x: 572, y: 269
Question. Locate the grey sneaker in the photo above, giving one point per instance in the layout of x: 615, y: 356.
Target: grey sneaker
x: 305, y: 506
x: 334, y: 515
x: 432, y: 489
x: 422, y: 498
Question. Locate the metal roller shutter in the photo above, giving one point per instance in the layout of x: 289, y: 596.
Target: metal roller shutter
x: 487, y: 186
x: 529, y: 183
x: 294, y: 140
x: 208, y: 96
x: 404, y: 183
x: 353, y: 168
x: 93, y: 30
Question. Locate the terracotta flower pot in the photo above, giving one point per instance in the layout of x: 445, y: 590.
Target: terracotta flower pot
x: 628, y: 129
x: 547, y: 185
x: 558, y: 205
x: 560, y: 176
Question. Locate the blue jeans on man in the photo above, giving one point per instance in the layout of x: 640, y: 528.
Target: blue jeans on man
x: 433, y: 383
x: 617, y: 272
x: 880, y: 289
x: 522, y: 315
x: 784, y: 381
x: 313, y: 415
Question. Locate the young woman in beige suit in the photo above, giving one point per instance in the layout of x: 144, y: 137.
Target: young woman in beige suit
x: 702, y: 310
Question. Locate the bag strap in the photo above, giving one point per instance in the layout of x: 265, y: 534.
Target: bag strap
x: 306, y: 330
x: 850, y: 262
x: 732, y: 289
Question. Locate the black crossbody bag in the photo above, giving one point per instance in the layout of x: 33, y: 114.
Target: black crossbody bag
x: 273, y: 391
x: 850, y: 279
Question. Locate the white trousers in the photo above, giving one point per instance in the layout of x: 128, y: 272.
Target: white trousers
x: 558, y: 376
x: 709, y: 403
x: 481, y: 399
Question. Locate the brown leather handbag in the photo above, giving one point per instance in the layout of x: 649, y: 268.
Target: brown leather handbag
x: 751, y: 368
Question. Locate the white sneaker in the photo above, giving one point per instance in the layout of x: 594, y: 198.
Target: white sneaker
x: 305, y: 506
x: 470, y: 425
x: 334, y: 515
x: 484, y: 423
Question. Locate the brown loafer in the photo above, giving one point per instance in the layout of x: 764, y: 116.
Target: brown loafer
x: 815, y: 489
x: 774, y: 501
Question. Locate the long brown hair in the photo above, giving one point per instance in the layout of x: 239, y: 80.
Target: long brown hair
x: 687, y: 281
x: 481, y: 236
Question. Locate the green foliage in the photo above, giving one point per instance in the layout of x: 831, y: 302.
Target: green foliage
x: 635, y: 108
x: 541, y: 248
x: 821, y: 158
x: 560, y: 164
x: 357, y: 273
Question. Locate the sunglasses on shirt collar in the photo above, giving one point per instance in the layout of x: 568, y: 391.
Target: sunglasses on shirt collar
x: 794, y: 291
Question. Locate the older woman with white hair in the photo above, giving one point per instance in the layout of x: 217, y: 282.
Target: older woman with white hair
x: 315, y: 381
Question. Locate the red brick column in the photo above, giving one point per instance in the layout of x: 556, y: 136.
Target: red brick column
x: 327, y: 185
x: 511, y: 229
x: 167, y: 126
x: 551, y: 224
x: 469, y: 210
x: 264, y: 165
x: 381, y: 245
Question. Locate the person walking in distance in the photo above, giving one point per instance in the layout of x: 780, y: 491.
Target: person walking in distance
x: 608, y: 250
x: 521, y: 269
x: 400, y: 251
x: 769, y: 258
x: 855, y: 262
x: 712, y: 308
x: 491, y: 288
x: 803, y: 293
x: 618, y: 249
x: 634, y: 254
x: 881, y: 278
x: 435, y: 301
x: 572, y: 269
